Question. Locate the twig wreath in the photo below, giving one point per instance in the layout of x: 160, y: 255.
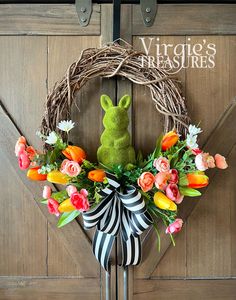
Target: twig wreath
x: 121, y: 194
x: 108, y: 62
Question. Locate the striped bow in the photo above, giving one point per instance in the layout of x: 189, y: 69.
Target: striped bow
x: 121, y: 214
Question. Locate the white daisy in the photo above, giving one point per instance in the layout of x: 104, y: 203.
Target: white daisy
x: 194, y: 130
x: 66, y: 125
x: 52, y: 138
x: 191, y: 141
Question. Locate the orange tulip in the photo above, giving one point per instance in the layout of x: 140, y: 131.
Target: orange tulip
x: 34, y: 175
x: 97, y: 175
x: 197, y: 180
x: 169, y: 140
x: 74, y: 153
x: 66, y: 206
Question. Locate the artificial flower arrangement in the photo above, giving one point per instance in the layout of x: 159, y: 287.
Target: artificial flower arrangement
x: 175, y: 169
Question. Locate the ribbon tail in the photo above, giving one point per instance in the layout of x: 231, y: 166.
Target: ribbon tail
x: 131, y: 250
x: 102, y: 246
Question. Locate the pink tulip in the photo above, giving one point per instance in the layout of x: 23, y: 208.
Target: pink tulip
x: 19, y: 148
x: 175, y: 226
x: 196, y: 151
x: 220, y: 161
x: 71, y: 189
x: 174, y: 178
x: 161, y: 164
x: 172, y: 192
x: 146, y: 181
x: 161, y: 180
x: 53, y: 207
x: 47, y: 192
x: 23, y: 161
x: 20, y: 145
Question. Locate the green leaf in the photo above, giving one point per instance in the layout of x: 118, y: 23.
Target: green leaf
x: 183, y: 180
x: 60, y: 196
x: 44, y: 201
x: 158, y: 237
x: 157, y: 150
x: 139, y: 158
x: 185, y: 191
x: 67, y: 217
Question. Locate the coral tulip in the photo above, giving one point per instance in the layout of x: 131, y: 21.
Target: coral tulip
x: 33, y: 174
x: 97, y: 175
x: 66, y: 206
x: 175, y: 226
x: 169, y: 140
x: 197, y: 180
x: 74, y: 153
x: 164, y: 202
x: 57, y: 177
x: 220, y: 162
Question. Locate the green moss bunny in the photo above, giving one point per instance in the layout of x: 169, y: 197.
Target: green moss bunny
x: 115, y: 146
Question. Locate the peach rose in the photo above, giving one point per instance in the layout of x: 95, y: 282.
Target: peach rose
x: 31, y: 152
x: 172, y: 192
x: 220, y: 161
x: 70, y: 168
x: 203, y: 161
x: 146, y: 181
x: 161, y: 180
x: 161, y: 164
x: 175, y: 226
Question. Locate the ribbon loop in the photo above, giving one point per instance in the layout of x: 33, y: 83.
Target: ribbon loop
x: 118, y: 212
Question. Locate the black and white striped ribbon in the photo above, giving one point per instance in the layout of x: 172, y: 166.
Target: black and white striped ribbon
x: 119, y: 213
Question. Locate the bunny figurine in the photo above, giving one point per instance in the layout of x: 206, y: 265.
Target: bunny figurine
x: 115, y: 146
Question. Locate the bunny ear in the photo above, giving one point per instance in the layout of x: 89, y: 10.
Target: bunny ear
x: 106, y: 102
x: 125, y: 102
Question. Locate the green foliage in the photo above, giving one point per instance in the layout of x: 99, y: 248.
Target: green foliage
x: 60, y: 196
x: 67, y: 217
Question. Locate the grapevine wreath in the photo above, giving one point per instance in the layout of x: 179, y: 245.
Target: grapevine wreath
x: 121, y: 194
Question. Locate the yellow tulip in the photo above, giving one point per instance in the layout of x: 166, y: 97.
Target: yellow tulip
x: 164, y: 202
x: 66, y: 206
x: 57, y: 177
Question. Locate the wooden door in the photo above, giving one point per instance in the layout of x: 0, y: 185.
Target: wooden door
x: 39, y: 261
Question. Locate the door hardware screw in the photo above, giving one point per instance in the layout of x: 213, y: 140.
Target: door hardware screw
x: 83, y: 19
x: 148, y: 20
x: 148, y: 9
x: 83, y: 9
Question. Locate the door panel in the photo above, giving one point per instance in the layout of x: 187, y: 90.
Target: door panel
x: 54, y: 264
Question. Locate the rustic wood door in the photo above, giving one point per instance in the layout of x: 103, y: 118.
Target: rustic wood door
x: 38, y: 261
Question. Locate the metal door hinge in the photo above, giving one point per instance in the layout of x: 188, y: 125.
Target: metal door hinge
x: 84, y: 10
x: 148, y: 11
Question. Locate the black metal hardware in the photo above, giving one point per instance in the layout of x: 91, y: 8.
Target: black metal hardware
x: 84, y: 10
x: 148, y: 11
x: 116, y: 19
